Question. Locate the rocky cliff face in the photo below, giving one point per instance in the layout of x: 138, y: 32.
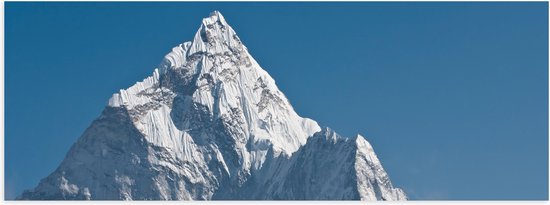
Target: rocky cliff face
x: 210, y: 123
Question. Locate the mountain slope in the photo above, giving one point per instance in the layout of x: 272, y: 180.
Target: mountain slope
x: 209, y: 123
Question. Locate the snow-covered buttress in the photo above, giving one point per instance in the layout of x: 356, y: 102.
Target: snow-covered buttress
x: 210, y: 123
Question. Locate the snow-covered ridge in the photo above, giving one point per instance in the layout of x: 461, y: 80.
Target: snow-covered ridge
x: 129, y: 97
x: 210, y: 123
x: 328, y: 166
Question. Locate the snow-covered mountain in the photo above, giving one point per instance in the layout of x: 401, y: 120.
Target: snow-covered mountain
x: 210, y: 123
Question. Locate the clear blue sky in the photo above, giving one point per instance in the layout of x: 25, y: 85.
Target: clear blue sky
x: 453, y: 96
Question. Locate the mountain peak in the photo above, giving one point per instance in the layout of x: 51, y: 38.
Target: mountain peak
x: 215, y: 72
x: 205, y: 125
x: 215, y: 16
x: 215, y: 36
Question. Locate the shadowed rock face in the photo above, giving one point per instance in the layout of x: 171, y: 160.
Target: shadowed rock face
x: 210, y: 123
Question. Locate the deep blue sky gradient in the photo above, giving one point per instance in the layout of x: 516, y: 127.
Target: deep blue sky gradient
x: 453, y: 96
